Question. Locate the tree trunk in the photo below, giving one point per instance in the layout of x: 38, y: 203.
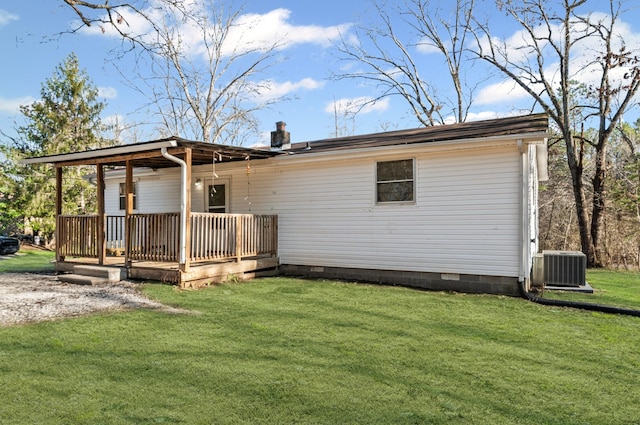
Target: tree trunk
x: 597, y: 216
x: 576, y: 169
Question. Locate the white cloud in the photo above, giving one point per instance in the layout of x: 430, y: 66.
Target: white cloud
x: 585, y: 65
x: 108, y: 92
x: 503, y: 92
x: 11, y: 106
x: 249, y: 32
x: 486, y: 115
x: 7, y: 17
x: 519, y: 46
x: 255, y: 31
x: 274, y: 25
x: 360, y: 105
x: 273, y: 90
x: 426, y: 46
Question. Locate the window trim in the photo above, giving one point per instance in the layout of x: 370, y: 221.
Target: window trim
x: 122, y: 196
x: 413, y: 180
x: 219, y: 181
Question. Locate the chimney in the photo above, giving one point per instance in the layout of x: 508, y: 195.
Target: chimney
x: 280, y: 139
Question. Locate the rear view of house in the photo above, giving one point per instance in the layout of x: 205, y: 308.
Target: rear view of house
x: 451, y: 207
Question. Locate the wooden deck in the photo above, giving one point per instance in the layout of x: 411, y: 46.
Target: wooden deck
x: 205, y: 273
x: 221, y: 247
x: 199, y: 274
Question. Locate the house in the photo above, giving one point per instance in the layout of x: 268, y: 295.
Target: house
x: 450, y: 207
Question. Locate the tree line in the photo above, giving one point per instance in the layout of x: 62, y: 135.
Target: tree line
x: 65, y: 119
x: 571, y: 63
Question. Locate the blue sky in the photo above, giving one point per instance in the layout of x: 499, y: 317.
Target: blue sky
x: 32, y: 47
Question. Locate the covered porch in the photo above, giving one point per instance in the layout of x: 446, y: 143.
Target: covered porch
x: 186, y: 248
x: 148, y: 247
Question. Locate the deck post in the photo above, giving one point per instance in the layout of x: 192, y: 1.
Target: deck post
x: 127, y: 215
x: 187, y: 211
x: 102, y: 242
x: 57, y: 233
x: 274, y: 235
x: 239, y: 225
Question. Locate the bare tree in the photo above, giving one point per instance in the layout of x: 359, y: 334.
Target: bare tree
x: 558, y: 47
x: 193, y: 61
x: 390, y: 63
x: 622, y: 219
x: 109, y: 15
x: 557, y: 212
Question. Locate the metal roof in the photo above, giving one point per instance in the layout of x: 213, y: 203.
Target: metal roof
x: 148, y: 154
x: 527, y: 124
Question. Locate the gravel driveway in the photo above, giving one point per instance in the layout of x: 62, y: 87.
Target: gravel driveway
x: 28, y: 298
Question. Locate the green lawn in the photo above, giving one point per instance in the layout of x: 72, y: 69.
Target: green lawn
x: 28, y: 260
x: 616, y: 288
x: 282, y: 350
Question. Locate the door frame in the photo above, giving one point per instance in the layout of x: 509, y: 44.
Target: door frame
x: 227, y: 192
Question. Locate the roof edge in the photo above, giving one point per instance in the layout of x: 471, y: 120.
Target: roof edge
x: 101, y: 153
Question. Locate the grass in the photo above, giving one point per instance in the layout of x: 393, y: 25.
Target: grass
x: 282, y: 350
x: 28, y: 261
x: 616, y: 288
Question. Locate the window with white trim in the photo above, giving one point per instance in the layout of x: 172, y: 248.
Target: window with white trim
x: 395, y: 181
x: 123, y: 196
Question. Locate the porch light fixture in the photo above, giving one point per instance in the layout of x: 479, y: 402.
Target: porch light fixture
x: 198, y: 183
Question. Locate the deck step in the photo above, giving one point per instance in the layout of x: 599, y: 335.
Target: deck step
x: 111, y: 274
x: 78, y: 279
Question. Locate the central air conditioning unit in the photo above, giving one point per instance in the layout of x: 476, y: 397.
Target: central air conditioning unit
x: 564, y: 268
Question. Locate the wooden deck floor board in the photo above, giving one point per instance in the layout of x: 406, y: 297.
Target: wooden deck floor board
x: 199, y: 273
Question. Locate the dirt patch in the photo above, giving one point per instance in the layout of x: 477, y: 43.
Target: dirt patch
x: 28, y: 298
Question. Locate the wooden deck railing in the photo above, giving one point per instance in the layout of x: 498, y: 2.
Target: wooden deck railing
x: 77, y: 236
x: 156, y: 237
x: 114, y: 232
x: 259, y: 235
x: 226, y: 236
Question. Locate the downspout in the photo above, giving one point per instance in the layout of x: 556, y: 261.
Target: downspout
x: 524, y: 213
x: 183, y: 203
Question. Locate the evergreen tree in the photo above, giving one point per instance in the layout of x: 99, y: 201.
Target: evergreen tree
x: 65, y: 119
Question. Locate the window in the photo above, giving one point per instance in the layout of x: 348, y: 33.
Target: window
x: 123, y: 196
x: 217, y: 198
x: 395, y: 181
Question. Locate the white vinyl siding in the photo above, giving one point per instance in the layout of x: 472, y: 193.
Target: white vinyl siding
x: 159, y: 192
x: 465, y: 218
x: 156, y: 193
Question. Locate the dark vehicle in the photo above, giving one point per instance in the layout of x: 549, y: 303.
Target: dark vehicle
x: 9, y: 245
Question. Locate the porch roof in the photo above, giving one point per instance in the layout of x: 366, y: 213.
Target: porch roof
x: 148, y: 154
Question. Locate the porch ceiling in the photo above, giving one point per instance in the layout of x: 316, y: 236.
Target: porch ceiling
x: 149, y: 154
